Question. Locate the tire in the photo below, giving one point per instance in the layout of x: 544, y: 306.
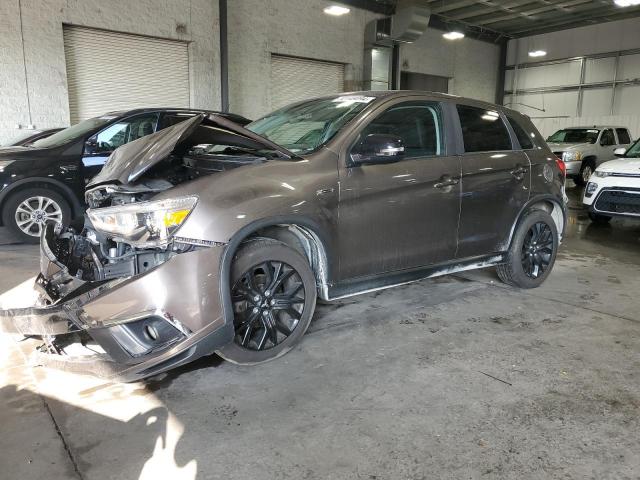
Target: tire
x: 257, y: 265
x: 586, y: 170
x: 518, y: 269
x: 599, y: 219
x: 24, y: 205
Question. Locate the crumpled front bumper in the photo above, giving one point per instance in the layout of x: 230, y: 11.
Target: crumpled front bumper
x: 146, y: 324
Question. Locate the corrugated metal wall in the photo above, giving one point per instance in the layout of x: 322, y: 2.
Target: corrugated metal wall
x: 109, y: 71
x: 294, y: 79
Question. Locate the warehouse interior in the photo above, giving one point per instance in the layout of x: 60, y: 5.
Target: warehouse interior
x: 457, y: 376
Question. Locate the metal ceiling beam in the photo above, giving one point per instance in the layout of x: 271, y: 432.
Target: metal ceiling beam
x: 594, y: 16
x: 526, y: 14
x: 485, y: 8
x: 442, y: 22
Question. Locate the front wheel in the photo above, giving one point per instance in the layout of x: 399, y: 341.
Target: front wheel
x: 586, y: 170
x: 273, y: 292
x: 532, y: 252
x: 27, y: 211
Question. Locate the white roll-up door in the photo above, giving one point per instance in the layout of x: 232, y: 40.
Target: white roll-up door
x: 294, y: 79
x: 109, y: 71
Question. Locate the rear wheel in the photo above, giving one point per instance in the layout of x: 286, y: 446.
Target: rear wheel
x: 600, y: 219
x: 273, y: 292
x: 27, y: 211
x: 532, y: 252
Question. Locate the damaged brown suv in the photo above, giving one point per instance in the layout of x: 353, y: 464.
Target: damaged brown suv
x: 210, y: 237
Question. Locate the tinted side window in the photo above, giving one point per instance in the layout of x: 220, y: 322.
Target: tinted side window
x: 607, y: 138
x: 525, y: 140
x: 417, y: 123
x: 483, y: 130
x: 623, y: 135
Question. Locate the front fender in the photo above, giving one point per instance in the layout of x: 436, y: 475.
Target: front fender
x: 305, y: 190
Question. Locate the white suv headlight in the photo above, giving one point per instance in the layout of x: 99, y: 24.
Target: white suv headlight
x: 571, y: 156
x: 601, y: 174
x: 143, y: 224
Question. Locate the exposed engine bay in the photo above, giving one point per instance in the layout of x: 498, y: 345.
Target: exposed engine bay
x: 126, y: 232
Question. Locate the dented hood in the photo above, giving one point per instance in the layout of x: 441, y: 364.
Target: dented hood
x: 130, y: 161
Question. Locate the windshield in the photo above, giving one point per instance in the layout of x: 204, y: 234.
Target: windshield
x: 574, y: 135
x: 72, y: 132
x: 306, y: 126
x: 634, y: 150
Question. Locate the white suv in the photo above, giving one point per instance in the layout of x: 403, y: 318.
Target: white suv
x: 614, y: 188
x: 582, y: 149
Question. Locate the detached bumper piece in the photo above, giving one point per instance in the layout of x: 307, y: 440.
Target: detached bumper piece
x: 137, y: 326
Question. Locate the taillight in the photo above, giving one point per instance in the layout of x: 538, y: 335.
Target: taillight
x: 561, y: 166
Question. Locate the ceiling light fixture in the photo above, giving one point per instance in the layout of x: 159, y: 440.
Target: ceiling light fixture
x: 537, y: 53
x: 454, y: 35
x: 336, y: 10
x: 627, y: 3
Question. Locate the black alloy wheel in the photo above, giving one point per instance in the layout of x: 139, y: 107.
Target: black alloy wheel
x: 268, y: 304
x: 273, y: 294
x: 532, y: 251
x: 537, y: 249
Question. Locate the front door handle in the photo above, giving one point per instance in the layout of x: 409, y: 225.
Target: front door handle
x: 446, y: 181
x: 324, y: 191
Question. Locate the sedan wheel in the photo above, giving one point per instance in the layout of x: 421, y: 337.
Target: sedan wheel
x: 273, y: 293
x: 32, y: 214
x: 27, y: 212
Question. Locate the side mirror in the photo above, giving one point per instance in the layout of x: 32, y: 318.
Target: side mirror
x: 620, y: 152
x: 91, y: 146
x: 378, y: 148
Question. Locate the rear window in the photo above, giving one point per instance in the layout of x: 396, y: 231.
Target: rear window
x: 523, y: 138
x: 623, y: 135
x: 483, y: 130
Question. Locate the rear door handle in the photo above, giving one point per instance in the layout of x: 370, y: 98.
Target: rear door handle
x: 446, y: 182
x: 519, y: 172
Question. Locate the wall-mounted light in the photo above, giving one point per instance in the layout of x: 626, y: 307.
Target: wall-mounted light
x: 454, y: 35
x: 627, y: 3
x: 336, y: 10
x: 537, y: 53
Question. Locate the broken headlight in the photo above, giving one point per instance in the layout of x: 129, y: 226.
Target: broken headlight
x: 143, y: 224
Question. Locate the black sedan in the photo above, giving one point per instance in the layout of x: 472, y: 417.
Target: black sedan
x: 45, y: 179
x: 29, y: 136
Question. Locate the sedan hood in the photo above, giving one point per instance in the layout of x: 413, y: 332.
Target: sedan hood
x: 621, y: 165
x: 130, y: 161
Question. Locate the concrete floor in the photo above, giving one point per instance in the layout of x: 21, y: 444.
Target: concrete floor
x: 457, y: 377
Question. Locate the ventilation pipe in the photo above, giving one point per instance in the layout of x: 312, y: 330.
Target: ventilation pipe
x: 383, y: 38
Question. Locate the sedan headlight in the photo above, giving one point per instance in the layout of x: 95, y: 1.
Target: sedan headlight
x: 143, y: 224
x: 4, y: 164
x: 571, y: 156
x: 601, y: 174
